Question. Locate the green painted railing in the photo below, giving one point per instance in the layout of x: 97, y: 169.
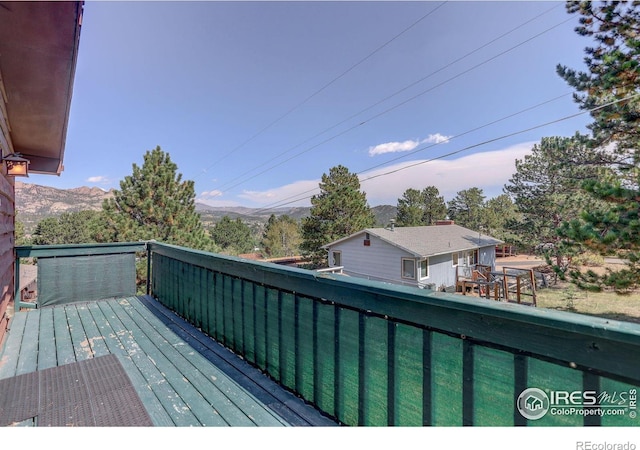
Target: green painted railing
x: 370, y: 353
x: 375, y: 354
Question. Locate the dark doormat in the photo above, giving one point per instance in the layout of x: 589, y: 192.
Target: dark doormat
x: 92, y: 393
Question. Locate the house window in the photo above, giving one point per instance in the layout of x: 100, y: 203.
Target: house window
x: 424, y: 268
x: 454, y: 259
x: 470, y: 258
x: 409, y: 268
x: 337, y: 258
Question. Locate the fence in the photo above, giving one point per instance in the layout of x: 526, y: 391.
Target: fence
x: 367, y: 353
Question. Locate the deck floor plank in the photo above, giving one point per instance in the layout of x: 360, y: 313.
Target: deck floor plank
x: 267, y: 391
x: 12, y: 345
x: 168, y: 397
x: 95, y: 340
x: 107, y: 335
x: 249, y: 404
x: 28, y: 360
x: 193, y: 400
x: 47, y: 357
x: 79, y: 340
x: 235, y: 405
x: 179, y: 384
x: 64, y: 346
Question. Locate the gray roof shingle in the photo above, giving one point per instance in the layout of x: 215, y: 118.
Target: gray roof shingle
x: 431, y: 240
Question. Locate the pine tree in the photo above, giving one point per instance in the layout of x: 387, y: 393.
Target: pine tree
x: 435, y: 207
x: 546, y: 188
x: 499, y: 212
x: 281, y: 236
x: 611, y: 89
x: 410, y: 208
x: 339, y: 210
x: 466, y: 208
x: 417, y: 208
x: 233, y: 236
x: 154, y: 203
x: 79, y: 227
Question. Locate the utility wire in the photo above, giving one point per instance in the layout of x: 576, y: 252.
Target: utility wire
x: 378, y: 103
x: 280, y: 203
x: 388, y: 110
x: 449, y: 139
x: 303, y: 102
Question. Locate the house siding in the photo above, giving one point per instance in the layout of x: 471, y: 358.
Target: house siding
x: 382, y: 261
x: 443, y: 271
x: 487, y: 257
x: 7, y: 224
x: 377, y: 261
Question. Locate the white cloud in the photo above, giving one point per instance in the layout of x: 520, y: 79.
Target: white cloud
x: 213, y: 198
x: 488, y: 170
x: 436, y: 139
x: 294, y: 194
x: 408, y: 145
x: 393, y: 147
x: 211, y: 194
x: 98, y: 179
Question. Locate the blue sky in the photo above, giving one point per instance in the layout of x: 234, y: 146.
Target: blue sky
x: 254, y: 101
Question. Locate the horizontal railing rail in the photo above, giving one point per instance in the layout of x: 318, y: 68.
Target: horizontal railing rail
x: 371, y: 353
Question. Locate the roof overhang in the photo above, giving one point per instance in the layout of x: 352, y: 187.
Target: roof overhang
x: 38, y: 53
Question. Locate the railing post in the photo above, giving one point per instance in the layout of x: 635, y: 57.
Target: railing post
x: 17, y: 300
x: 148, y: 246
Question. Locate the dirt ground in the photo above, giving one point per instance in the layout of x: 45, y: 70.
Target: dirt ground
x: 564, y: 296
x: 519, y: 261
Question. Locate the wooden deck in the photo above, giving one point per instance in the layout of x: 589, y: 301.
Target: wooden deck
x: 182, y: 377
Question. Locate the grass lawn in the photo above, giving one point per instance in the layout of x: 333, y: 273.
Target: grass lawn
x: 565, y: 296
x: 607, y: 304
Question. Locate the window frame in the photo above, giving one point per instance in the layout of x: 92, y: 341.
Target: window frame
x: 333, y: 258
x: 402, y: 271
x: 424, y: 261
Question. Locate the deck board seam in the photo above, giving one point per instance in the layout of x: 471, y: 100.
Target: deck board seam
x: 154, y: 407
x: 166, y: 367
x: 237, y: 395
x: 161, y: 389
x: 269, y: 392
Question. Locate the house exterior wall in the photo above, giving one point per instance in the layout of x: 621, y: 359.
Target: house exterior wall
x: 382, y: 261
x: 443, y: 271
x: 377, y: 261
x: 7, y: 226
x: 487, y: 257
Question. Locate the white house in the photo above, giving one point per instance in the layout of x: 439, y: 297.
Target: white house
x: 426, y: 256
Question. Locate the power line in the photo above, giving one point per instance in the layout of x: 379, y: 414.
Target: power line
x: 384, y: 100
x: 405, y: 155
x: 388, y: 110
x: 303, y: 102
x: 281, y: 203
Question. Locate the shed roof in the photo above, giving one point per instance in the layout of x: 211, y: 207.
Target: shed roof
x: 427, y: 241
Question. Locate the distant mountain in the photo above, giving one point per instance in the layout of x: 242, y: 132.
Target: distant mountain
x: 35, y: 202
x: 211, y: 214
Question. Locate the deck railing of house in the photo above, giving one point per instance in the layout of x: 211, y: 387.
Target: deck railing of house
x: 371, y: 353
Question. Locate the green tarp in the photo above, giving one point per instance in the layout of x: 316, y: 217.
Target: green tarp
x: 82, y: 278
